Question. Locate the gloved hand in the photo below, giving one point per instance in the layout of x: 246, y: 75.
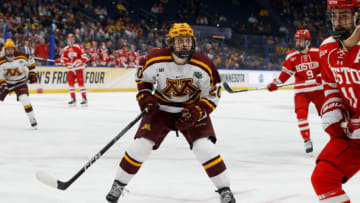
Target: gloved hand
x: 32, y: 77
x: 4, y: 88
x: 353, y: 128
x: 318, y: 79
x: 77, y: 63
x: 189, y: 116
x: 272, y: 86
x: 147, y: 100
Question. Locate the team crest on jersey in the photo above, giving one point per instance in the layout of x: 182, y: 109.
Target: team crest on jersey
x: 161, y: 69
x: 179, y: 87
x: 305, y: 58
x: 198, y: 75
x: 11, y: 72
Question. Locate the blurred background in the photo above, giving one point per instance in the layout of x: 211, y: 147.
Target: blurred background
x: 234, y: 34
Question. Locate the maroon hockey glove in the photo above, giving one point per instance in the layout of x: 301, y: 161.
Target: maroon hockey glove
x: 189, y: 116
x: 32, y: 77
x: 4, y: 88
x: 272, y: 86
x: 147, y: 100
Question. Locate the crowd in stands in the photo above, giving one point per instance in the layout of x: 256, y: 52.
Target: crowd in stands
x: 117, y: 33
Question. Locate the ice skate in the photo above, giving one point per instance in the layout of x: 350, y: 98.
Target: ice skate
x: 308, y: 146
x: 33, y: 123
x: 116, y: 191
x: 226, y: 196
x: 72, y: 102
x: 84, y: 102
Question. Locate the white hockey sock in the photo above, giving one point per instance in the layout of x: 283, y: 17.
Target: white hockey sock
x: 134, y: 156
x: 25, y: 101
x: 212, y: 162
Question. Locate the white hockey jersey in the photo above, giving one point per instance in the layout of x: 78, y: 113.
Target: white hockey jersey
x: 179, y: 85
x: 16, y: 71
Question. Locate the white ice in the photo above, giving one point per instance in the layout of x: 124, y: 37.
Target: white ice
x: 257, y: 137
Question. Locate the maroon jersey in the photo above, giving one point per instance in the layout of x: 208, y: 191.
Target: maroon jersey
x: 304, y: 67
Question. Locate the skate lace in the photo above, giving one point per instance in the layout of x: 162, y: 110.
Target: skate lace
x: 226, y: 197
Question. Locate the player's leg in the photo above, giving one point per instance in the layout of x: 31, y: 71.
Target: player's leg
x: 80, y: 80
x: 202, y: 140
x: 336, y: 164
x: 301, y: 110
x: 22, y: 94
x: 151, y: 132
x: 71, y: 82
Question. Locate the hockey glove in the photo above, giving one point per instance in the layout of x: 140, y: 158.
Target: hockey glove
x: 353, y: 129
x: 189, y: 116
x: 32, y: 77
x: 4, y: 88
x: 332, y: 115
x: 318, y: 79
x: 147, y: 100
x: 272, y: 86
x: 77, y: 63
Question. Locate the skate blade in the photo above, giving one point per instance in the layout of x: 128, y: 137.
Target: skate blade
x: 84, y: 105
x: 72, y: 105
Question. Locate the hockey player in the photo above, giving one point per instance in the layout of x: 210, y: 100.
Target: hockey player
x: 303, y: 63
x: 188, y: 90
x: 13, y: 74
x: 340, y: 158
x: 74, y: 57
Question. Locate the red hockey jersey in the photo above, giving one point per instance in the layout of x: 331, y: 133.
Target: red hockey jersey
x: 304, y: 67
x: 74, y: 57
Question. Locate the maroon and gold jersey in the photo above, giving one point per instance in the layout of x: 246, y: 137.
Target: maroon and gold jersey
x: 179, y: 85
x: 341, y: 77
x: 304, y: 67
x: 16, y: 71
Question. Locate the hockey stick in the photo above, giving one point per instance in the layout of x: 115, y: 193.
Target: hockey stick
x: 228, y: 88
x: 61, y: 185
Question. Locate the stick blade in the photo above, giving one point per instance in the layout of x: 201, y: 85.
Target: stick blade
x: 47, y: 179
x: 227, y: 87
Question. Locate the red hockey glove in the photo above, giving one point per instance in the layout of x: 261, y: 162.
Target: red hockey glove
x: 147, y: 100
x: 4, y: 88
x: 353, y: 128
x: 272, y: 86
x: 332, y: 115
x: 318, y: 79
x: 32, y: 77
x: 189, y: 116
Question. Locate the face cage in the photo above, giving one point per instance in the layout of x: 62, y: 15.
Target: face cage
x: 340, y: 35
x: 300, y: 48
x: 183, y: 54
x: 10, y: 55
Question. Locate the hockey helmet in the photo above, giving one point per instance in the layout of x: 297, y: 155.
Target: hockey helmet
x: 302, y: 34
x: 9, y: 52
x: 70, y: 38
x: 341, y: 33
x: 181, y: 30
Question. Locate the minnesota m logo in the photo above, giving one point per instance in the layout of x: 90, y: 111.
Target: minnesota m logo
x: 13, y: 72
x: 180, y: 88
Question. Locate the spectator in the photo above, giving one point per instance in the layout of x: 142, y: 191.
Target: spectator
x: 42, y: 52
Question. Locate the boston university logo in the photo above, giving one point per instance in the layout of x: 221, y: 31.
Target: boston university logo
x: 179, y: 88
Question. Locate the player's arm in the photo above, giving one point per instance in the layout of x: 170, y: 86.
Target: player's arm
x: 145, y: 80
x: 210, y: 87
x: 3, y: 84
x: 332, y: 111
x: 32, y: 70
x: 286, y: 72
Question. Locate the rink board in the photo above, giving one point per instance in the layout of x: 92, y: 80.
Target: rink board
x: 53, y: 79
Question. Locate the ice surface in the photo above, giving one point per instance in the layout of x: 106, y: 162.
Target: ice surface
x: 257, y: 137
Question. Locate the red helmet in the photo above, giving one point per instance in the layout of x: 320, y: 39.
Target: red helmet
x: 302, y: 34
x: 333, y: 4
x: 70, y: 35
